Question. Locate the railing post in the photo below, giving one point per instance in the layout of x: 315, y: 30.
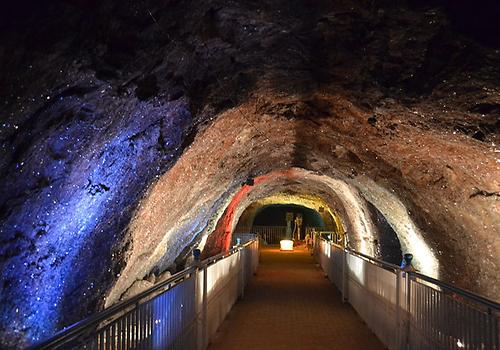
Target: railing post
x: 242, y: 259
x: 197, y: 300
x: 201, y: 324
x: 494, y: 326
x: 204, y: 308
x: 398, y: 309
x: 345, y: 297
x: 408, y: 311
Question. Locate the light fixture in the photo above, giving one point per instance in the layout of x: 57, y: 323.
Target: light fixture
x: 286, y: 244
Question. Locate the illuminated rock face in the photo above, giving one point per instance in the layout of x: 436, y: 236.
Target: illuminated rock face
x: 68, y: 192
x: 147, y: 130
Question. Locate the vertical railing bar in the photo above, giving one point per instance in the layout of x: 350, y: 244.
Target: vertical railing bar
x: 150, y: 320
x: 144, y: 310
x: 460, y: 333
x: 138, y: 325
x: 176, y: 322
x: 458, y: 326
x: 150, y: 324
x: 435, y: 312
x: 97, y: 341
x: 435, y: 320
x: 161, y: 312
x: 124, y: 335
x: 168, y: 329
x: 173, y: 322
x: 454, y: 327
x: 205, y: 308
x: 428, y: 312
x: 101, y: 340
x: 482, y: 326
x: 417, y: 309
x: 141, y: 327
x: 429, y: 315
x: 475, y: 322
x: 135, y: 331
x: 398, y: 309
x: 439, y: 308
x: 479, y: 332
x: 146, y: 325
x: 125, y: 341
x: 446, y: 326
x: 495, y: 331
x: 108, y: 339
x: 134, y: 328
x: 345, y: 277
x: 178, y: 319
x: 491, y: 329
x: 432, y: 314
x: 166, y: 311
x: 441, y: 329
x: 468, y: 330
x: 408, y: 310
x: 113, y: 335
x: 118, y: 333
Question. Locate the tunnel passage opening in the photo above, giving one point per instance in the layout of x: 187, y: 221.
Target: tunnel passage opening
x: 275, y: 215
x: 287, y: 215
x: 279, y: 221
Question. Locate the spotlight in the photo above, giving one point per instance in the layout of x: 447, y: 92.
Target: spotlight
x: 286, y: 244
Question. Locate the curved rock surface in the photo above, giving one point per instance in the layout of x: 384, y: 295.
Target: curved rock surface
x: 133, y: 132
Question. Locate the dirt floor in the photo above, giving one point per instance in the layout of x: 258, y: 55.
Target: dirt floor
x: 289, y: 304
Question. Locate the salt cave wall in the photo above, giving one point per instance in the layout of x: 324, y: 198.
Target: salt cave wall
x: 112, y: 107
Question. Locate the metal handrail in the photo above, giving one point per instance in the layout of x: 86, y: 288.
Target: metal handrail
x: 413, y: 274
x: 94, y: 320
x: 470, y: 295
x: 91, y: 321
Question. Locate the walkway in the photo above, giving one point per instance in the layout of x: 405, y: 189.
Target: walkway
x: 291, y: 305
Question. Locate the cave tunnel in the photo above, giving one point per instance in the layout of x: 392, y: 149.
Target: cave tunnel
x: 133, y: 134
x: 275, y: 215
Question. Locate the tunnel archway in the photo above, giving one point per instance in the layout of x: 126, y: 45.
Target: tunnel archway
x: 271, y: 211
x: 275, y: 215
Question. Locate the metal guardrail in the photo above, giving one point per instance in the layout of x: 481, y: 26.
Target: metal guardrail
x: 274, y: 234
x: 270, y: 234
x: 408, y: 310
x: 182, y: 312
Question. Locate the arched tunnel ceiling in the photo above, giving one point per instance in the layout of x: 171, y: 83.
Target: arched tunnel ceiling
x: 243, y: 142
x: 128, y: 131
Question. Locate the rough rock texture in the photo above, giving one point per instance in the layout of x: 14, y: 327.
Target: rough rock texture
x: 136, y: 288
x: 129, y: 128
